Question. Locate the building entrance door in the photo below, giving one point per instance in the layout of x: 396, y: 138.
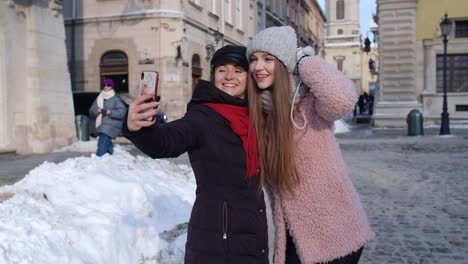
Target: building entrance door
x: 114, y: 65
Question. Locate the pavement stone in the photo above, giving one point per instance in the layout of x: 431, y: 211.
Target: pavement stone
x: 415, y: 192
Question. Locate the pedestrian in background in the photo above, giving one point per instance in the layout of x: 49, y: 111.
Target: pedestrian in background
x: 109, y: 112
x: 317, y: 212
x: 228, y: 220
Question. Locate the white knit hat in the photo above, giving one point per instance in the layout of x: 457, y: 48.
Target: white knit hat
x: 278, y: 41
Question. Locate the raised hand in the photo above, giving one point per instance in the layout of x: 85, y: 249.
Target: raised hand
x: 141, y: 114
x: 301, y: 53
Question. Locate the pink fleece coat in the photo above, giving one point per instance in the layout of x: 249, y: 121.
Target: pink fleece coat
x: 325, y: 216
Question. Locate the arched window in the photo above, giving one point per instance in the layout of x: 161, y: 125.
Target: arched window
x: 339, y: 64
x: 196, y: 70
x: 114, y: 58
x: 340, y: 9
x: 114, y: 65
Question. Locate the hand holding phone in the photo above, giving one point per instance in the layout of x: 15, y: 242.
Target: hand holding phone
x: 149, y: 81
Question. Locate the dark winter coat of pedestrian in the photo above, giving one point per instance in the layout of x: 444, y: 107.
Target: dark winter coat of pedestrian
x: 109, y: 112
x: 228, y: 221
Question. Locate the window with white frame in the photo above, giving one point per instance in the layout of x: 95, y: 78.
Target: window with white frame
x: 227, y: 11
x: 213, y: 6
x: 239, y: 14
x: 339, y: 63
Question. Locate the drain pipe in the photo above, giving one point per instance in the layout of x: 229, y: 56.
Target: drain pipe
x: 72, y: 56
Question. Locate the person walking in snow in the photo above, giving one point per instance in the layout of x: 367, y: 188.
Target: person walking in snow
x: 109, y: 112
x: 317, y: 213
x: 228, y: 220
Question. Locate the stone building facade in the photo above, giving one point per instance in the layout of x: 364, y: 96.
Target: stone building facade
x: 305, y: 16
x: 343, y: 46
x: 119, y: 39
x: 36, y: 114
x: 411, y: 65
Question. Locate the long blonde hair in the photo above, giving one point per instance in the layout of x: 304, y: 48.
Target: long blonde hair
x: 275, y: 133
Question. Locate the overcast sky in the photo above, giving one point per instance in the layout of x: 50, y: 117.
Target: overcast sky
x: 367, y: 8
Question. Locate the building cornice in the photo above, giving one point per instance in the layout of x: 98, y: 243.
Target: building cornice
x: 202, y: 27
x: 342, y: 45
x: 343, y: 36
x: 396, y: 4
x: 343, y: 23
x: 151, y: 13
x: 275, y: 18
x: 396, y: 1
x: 196, y: 24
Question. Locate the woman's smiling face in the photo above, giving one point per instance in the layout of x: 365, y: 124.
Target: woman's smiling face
x: 262, y: 68
x: 231, y: 79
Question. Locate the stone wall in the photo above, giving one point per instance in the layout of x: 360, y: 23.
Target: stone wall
x: 36, y: 103
x: 397, y: 93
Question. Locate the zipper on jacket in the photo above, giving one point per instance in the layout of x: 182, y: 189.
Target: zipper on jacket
x: 225, y: 220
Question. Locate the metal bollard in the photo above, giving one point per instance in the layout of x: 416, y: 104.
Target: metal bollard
x: 415, y: 119
x: 82, y: 127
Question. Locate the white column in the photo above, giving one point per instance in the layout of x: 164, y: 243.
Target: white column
x: 397, y: 91
x: 3, y: 96
x: 7, y: 139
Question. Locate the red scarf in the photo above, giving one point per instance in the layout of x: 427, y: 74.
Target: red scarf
x: 238, y: 117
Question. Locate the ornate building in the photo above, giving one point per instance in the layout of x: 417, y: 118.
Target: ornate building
x: 36, y: 114
x: 305, y: 16
x: 343, y: 46
x: 411, y: 67
x: 119, y: 39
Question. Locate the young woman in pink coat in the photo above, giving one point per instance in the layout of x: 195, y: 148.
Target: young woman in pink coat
x: 317, y: 213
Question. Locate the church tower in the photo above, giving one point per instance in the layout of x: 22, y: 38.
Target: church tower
x: 343, y: 38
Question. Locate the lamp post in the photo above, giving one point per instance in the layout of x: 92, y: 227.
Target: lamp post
x: 367, y: 45
x: 218, y: 36
x: 445, y: 28
x: 371, y: 65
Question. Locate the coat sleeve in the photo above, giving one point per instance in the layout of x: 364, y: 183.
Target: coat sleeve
x: 93, y: 110
x: 165, y: 141
x: 335, y: 93
x: 118, y: 110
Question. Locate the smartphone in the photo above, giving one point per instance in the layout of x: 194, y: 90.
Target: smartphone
x: 149, y: 81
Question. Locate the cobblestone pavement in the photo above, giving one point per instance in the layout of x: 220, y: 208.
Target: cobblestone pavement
x: 14, y: 167
x: 415, y: 191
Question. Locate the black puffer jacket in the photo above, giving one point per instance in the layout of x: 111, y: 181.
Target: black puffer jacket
x: 228, y: 221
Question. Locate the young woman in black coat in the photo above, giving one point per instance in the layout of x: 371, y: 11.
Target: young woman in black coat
x: 228, y: 221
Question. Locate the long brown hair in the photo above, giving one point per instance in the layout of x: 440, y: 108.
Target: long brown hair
x: 275, y: 133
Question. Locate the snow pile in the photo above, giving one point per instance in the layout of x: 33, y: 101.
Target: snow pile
x: 341, y: 127
x: 80, y: 146
x: 113, y: 209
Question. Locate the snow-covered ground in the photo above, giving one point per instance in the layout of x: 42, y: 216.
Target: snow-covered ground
x: 110, y: 209
x: 341, y: 127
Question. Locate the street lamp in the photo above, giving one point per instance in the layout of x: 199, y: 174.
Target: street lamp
x: 367, y: 44
x: 218, y: 36
x: 372, y: 65
x: 445, y: 28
